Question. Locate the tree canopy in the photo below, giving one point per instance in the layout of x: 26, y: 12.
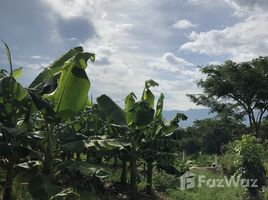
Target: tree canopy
x: 236, y: 90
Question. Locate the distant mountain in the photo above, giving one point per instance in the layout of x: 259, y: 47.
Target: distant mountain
x: 192, y: 114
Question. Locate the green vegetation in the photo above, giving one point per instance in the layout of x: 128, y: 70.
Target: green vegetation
x: 57, y: 143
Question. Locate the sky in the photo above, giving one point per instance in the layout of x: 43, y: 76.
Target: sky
x: 135, y: 40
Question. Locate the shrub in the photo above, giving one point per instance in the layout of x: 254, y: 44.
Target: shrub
x: 250, y: 163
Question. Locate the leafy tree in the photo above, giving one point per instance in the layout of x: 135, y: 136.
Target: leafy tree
x: 209, y: 135
x: 236, y: 90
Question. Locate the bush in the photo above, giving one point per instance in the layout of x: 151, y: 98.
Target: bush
x: 250, y: 163
x: 228, y: 160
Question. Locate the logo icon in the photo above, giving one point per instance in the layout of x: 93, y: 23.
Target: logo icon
x: 187, y: 180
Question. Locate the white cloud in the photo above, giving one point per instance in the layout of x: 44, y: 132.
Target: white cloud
x: 73, y: 8
x: 169, y: 62
x: 243, y: 41
x: 215, y: 63
x: 128, y: 38
x: 36, y: 57
x: 124, y: 27
x: 184, y: 24
x: 39, y: 57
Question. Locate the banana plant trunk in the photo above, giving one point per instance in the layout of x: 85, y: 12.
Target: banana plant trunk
x: 8, y: 188
x: 49, y: 146
x: 88, y: 155
x: 133, y: 172
x: 115, y: 161
x: 123, y: 178
x: 149, y: 188
x: 78, y: 156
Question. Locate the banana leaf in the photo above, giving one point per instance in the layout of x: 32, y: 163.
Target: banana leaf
x: 71, y: 95
x: 47, y: 74
x: 113, y: 113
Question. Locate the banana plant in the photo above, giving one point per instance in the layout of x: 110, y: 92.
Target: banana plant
x: 134, y: 118
x: 56, y: 95
x: 17, y: 154
x: 59, y: 92
x: 16, y: 141
x: 156, y: 140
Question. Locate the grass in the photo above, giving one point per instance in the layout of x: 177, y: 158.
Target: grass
x: 205, y: 192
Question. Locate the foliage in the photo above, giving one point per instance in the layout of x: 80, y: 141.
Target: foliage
x: 21, y: 147
x: 250, y: 163
x: 236, y: 90
x: 228, y: 159
x: 209, y: 135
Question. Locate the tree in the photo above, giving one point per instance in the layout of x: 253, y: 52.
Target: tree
x: 236, y: 90
x: 209, y: 135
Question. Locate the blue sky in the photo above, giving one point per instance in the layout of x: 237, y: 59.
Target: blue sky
x: 135, y: 40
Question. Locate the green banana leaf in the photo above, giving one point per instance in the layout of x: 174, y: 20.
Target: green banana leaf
x: 129, y: 102
x: 71, y: 95
x: 147, y: 95
x: 84, y: 168
x: 17, y: 73
x: 143, y: 114
x: 9, y: 87
x: 47, y: 74
x: 159, y: 107
x: 8, y: 56
x: 172, y: 125
x: 113, y: 113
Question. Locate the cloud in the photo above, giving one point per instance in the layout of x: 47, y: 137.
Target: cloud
x: 133, y: 41
x: 36, y: 57
x: 75, y: 27
x: 169, y: 62
x: 248, y: 6
x: 102, y: 61
x: 127, y: 44
x: 124, y: 27
x: 184, y: 24
x: 73, y: 8
x: 243, y: 41
x: 215, y: 63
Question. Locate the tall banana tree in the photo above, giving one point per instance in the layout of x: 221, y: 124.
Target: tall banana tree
x: 135, y: 117
x: 16, y: 141
x: 156, y: 136
x: 56, y: 94
x: 59, y: 92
